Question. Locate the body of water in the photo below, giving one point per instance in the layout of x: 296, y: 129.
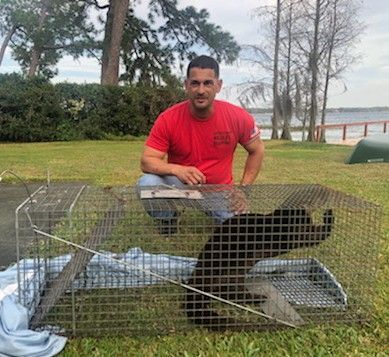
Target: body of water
x: 335, y: 135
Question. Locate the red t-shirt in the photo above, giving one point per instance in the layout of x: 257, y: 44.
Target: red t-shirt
x: 208, y: 144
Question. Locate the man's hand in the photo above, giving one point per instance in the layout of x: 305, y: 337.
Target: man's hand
x: 189, y: 175
x: 154, y: 162
x: 238, y: 201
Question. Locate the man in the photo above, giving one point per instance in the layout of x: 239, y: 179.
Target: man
x: 198, y: 137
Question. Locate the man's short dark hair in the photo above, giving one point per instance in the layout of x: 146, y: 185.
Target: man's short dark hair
x: 203, y: 62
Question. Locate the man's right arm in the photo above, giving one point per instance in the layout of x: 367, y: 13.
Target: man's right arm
x: 154, y: 162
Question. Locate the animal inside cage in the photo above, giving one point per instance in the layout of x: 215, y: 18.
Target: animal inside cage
x: 119, y: 260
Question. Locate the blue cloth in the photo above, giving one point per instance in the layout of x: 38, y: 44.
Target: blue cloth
x: 104, y: 272
x: 15, y: 337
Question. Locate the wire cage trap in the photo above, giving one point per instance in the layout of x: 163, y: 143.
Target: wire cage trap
x: 119, y: 260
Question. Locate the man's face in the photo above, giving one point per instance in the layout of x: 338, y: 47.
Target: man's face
x: 201, y: 87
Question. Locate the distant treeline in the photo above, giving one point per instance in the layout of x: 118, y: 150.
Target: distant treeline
x: 328, y: 110
x: 37, y: 110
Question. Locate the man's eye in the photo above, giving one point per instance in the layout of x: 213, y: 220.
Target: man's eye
x: 208, y: 83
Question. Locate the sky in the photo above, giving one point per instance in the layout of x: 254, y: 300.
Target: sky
x: 367, y: 82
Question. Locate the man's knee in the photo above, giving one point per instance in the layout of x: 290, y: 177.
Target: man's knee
x: 157, y: 180
x: 150, y: 180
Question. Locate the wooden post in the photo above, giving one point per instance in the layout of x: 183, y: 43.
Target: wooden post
x: 365, y: 132
x: 344, y: 131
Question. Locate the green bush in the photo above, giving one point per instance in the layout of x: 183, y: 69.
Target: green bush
x: 36, y: 110
x: 30, y: 110
x: 100, y: 111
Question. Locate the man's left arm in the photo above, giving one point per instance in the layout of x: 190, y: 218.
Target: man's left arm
x: 256, y: 152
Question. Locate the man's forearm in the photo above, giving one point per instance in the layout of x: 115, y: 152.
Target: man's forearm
x: 157, y: 167
x: 187, y: 174
x: 251, y: 170
x: 253, y: 165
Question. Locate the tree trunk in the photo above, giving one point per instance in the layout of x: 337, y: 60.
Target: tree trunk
x: 328, y: 70
x: 6, y: 41
x: 287, y: 110
x: 34, y: 62
x: 36, y: 51
x: 276, y: 100
x: 325, y: 95
x: 305, y: 118
x: 313, y: 67
x: 114, y: 27
x: 287, y: 102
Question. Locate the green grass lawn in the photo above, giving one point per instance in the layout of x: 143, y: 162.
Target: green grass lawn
x: 117, y: 163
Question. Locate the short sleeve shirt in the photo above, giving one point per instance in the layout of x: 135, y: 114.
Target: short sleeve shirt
x: 208, y: 144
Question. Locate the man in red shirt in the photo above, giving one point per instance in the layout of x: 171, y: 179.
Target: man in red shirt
x: 193, y: 142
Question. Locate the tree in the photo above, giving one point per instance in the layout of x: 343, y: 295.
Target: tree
x: 286, y: 100
x: 12, y: 14
x: 328, y: 47
x: 344, y: 28
x: 37, y: 47
x: 113, y: 34
x: 313, y: 67
x: 41, y: 32
x: 145, y: 58
x: 279, y: 22
x: 7, y: 38
x: 183, y: 32
x: 276, y: 97
x: 313, y: 43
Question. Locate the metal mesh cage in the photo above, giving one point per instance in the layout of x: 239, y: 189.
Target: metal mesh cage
x: 98, y: 261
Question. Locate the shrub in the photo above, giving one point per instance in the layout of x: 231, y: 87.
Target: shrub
x: 99, y: 111
x: 30, y: 109
x: 36, y: 110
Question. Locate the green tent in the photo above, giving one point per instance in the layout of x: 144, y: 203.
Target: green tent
x: 371, y: 149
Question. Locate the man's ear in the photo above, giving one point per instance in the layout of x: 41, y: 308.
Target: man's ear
x: 219, y: 85
x: 186, y: 83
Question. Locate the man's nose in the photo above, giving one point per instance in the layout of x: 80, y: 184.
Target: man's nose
x: 201, y: 88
